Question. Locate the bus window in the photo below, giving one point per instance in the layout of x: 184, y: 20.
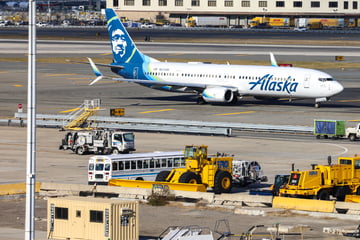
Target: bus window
x: 151, y: 163
x: 115, y: 166
x: 133, y: 164
x: 177, y: 162
x: 170, y: 162
x: 99, y: 167
x: 121, y: 166
x: 163, y: 162
x: 91, y: 166
x: 140, y: 164
x: 145, y: 164
x: 127, y: 165
x: 107, y: 167
x: 157, y: 163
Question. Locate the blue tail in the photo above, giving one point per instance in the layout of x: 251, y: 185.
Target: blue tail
x: 123, y: 48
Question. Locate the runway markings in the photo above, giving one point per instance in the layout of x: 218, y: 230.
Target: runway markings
x: 161, y: 110
x: 176, y: 54
x: 70, y: 110
x: 235, y: 113
x: 354, y: 100
x: 18, y: 85
x: 60, y: 74
x: 105, y: 54
x: 354, y: 120
x: 4, y: 72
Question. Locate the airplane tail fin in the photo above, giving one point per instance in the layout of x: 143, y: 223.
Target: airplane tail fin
x: 123, y: 47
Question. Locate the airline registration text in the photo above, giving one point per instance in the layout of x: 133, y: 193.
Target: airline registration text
x: 267, y: 84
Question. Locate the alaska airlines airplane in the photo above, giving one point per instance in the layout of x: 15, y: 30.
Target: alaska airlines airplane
x: 213, y: 82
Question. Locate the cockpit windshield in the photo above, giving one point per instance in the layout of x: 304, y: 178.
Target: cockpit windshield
x: 326, y: 79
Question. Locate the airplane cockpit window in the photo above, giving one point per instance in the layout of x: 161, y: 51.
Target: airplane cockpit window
x: 325, y: 79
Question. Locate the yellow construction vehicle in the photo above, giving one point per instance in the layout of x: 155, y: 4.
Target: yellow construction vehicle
x: 213, y: 171
x: 323, y: 181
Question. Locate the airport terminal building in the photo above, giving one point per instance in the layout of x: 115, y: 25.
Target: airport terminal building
x: 238, y: 12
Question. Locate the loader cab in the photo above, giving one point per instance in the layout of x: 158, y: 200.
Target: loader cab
x: 195, y: 152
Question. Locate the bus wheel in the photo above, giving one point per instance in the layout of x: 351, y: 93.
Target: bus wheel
x: 80, y: 151
x: 161, y: 177
x: 223, y: 182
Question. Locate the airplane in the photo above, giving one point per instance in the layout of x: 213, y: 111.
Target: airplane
x: 214, y: 83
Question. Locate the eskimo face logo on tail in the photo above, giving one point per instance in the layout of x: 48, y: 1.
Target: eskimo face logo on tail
x: 118, y: 42
x: 266, y: 83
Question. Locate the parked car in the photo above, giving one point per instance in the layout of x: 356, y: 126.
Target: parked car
x: 300, y: 29
x: 42, y: 24
x: 147, y: 25
x: 3, y: 24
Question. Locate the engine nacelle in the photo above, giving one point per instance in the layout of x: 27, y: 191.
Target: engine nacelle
x: 218, y: 94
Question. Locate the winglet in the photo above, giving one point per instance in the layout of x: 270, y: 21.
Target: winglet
x: 96, y: 71
x: 273, y: 60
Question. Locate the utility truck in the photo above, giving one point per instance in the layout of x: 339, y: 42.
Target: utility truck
x: 98, y: 141
x: 323, y: 181
x: 335, y: 129
x: 247, y: 172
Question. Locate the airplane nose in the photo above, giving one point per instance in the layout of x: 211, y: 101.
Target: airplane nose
x: 338, y: 88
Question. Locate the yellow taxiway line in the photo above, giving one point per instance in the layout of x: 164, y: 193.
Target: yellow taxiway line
x: 235, y: 113
x: 161, y: 110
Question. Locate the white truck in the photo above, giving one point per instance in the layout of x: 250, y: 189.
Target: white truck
x: 353, y: 133
x: 98, y: 141
x: 207, y: 21
x: 247, y: 172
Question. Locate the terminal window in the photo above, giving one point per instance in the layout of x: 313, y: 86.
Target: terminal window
x: 297, y: 4
x: 211, y: 3
x: 280, y: 4
x: 315, y: 4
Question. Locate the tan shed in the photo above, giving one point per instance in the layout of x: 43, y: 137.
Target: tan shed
x: 92, y: 218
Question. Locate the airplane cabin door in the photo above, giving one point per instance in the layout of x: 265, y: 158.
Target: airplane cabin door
x: 135, y: 72
x: 307, y: 81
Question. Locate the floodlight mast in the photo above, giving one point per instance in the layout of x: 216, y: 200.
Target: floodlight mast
x: 31, y: 127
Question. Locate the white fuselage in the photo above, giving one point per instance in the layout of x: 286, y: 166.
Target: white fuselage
x: 266, y: 81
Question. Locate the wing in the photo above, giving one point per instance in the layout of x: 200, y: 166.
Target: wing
x: 194, y: 86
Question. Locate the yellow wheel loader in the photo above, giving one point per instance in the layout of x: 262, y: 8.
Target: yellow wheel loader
x: 213, y: 171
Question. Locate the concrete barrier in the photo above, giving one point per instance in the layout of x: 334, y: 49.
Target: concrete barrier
x: 16, y: 188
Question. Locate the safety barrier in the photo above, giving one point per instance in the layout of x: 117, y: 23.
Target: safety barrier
x: 168, y: 125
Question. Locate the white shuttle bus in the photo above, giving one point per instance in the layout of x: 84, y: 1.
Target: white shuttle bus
x: 136, y: 166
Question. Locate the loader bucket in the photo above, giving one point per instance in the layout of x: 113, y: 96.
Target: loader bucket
x: 149, y: 184
x: 303, y: 204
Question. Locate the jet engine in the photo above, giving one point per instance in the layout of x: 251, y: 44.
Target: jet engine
x: 218, y: 94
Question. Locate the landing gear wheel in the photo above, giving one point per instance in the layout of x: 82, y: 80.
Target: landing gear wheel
x: 190, y: 177
x: 223, y: 182
x: 161, y: 177
x: 200, y: 100
x: 115, y: 151
x: 80, y: 151
x: 317, y: 105
x: 323, y: 195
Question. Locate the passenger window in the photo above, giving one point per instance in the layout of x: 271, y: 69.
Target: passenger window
x: 91, y: 166
x: 107, y: 167
x: 151, y: 163
x: 163, y: 162
x: 127, y: 165
x: 99, y: 167
x: 170, y: 162
x: 121, y: 166
x: 114, y: 166
x: 139, y: 164
x: 146, y: 164
x: 133, y: 164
